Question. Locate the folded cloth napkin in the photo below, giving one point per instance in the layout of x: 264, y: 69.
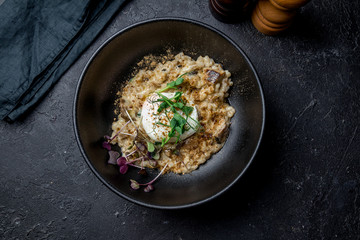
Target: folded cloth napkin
x: 39, y: 40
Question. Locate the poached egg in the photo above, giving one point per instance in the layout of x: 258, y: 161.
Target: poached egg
x: 157, y: 126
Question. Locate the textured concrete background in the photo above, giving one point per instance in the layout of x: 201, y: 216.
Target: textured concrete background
x: 304, y: 183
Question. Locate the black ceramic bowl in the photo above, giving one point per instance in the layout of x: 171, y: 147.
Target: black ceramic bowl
x: 111, y: 65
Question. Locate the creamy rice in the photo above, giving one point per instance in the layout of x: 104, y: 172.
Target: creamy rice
x: 206, y: 85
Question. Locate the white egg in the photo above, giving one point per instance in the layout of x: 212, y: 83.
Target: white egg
x: 157, y: 126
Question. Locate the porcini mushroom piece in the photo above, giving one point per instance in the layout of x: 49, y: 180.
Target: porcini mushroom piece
x: 212, y: 75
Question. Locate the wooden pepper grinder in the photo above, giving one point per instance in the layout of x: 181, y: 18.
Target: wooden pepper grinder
x: 230, y: 10
x: 274, y: 16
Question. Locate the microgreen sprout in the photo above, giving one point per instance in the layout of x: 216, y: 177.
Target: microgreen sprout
x: 148, y: 186
x: 124, y: 164
x: 106, y: 145
x: 173, y: 84
x: 113, y: 156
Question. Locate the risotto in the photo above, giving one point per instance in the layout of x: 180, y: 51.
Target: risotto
x: 173, y: 114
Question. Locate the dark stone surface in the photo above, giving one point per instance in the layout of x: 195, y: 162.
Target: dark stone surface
x: 304, y: 183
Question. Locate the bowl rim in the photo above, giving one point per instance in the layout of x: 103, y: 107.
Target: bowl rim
x: 78, y: 88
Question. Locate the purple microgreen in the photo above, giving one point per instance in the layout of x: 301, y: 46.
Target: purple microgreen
x: 128, y: 134
x: 142, y: 163
x: 121, y: 161
x: 161, y: 172
x: 141, y: 147
x: 129, y: 154
x: 134, y: 184
x: 118, y: 132
x: 123, y: 168
x: 135, y: 160
x: 127, y: 113
x: 149, y: 188
x: 185, y: 165
x: 106, y: 145
x: 136, y: 128
x: 146, y: 153
x: 113, y: 155
x: 124, y: 164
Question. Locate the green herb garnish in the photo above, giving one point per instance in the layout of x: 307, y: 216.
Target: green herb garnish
x: 177, y: 123
x: 173, y: 84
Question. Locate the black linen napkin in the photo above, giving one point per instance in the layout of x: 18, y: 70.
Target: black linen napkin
x: 39, y: 40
